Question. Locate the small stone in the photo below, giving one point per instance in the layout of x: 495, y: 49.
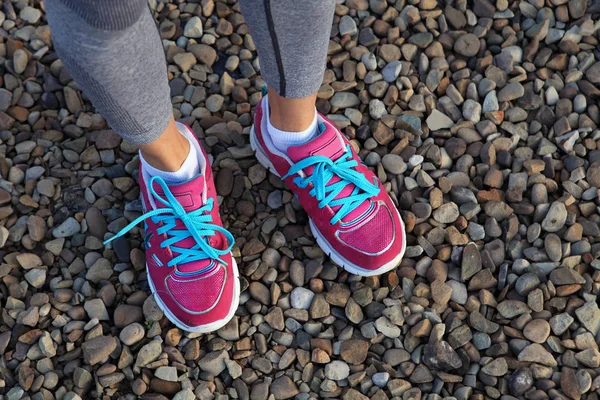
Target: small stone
x: 472, y: 110
x: 437, y: 121
x: 377, y: 109
x: 193, y: 28
x: 168, y: 374
x: 132, y: 334
x: 126, y: 314
x: 537, y: 330
x: 560, y: 323
x: 36, y: 277
x: 512, y: 308
x: 393, y: 163
x: 521, y: 381
x: 471, y: 261
x: 497, y: 367
x: 98, y: 349
x: 510, y: 92
x: 440, y: 355
x: 589, y: 316
x: 30, y: 14
x: 214, y: 362
x: 337, y: 370
x: 526, y: 283
x: 569, y: 384
x: 46, y: 345
x: 347, y: 26
x: 67, y: 228
x: 344, y: 100
x: 384, y: 326
x: 20, y: 61
x: 381, y: 379
x: 536, y: 353
x: 283, y: 388
x: 589, y: 357
x: 467, y: 45
x: 214, y: 103
x: 301, y: 298
x: 354, y: 351
x: 95, y: 308
x: 148, y: 353
x: 555, y: 218
x: 447, y: 213
x: 479, y: 322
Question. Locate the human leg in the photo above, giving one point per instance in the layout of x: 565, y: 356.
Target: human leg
x: 343, y: 198
x: 130, y: 89
x: 292, y: 39
x: 190, y: 268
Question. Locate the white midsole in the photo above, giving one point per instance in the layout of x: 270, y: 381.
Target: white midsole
x: 213, y: 326
x: 261, y: 156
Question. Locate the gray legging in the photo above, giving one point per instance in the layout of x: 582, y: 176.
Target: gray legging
x: 113, y: 51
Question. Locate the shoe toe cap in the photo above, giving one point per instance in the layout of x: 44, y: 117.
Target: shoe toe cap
x: 373, y: 236
x: 198, y: 295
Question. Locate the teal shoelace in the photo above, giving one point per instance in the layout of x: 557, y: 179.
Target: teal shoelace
x: 197, y: 225
x: 326, y: 193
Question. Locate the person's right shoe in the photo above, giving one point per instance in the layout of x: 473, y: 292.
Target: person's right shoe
x: 190, y: 267
x: 351, y: 215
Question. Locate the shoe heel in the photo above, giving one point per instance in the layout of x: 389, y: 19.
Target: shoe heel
x: 261, y: 156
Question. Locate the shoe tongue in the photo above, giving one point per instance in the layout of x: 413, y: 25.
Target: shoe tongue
x: 188, y: 194
x: 327, y: 143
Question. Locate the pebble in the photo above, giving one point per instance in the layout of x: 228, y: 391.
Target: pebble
x: 521, y: 381
x: 555, y: 218
x: 497, y: 367
x: 149, y: 353
x: 30, y: 14
x: 511, y: 92
x: 537, y: 330
x: 441, y: 355
x: 193, y: 28
x: 168, y: 374
x: 67, y: 228
x: 344, y: 100
x: 394, y: 164
x: 337, y: 370
x: 36, y: 277
x: 301, y: 298
x: 437, y: 121
x: 20, y: 61
x: 467, y: 45
x: 132, y: 334
x: 283, y: 388
x: 95, y: 308
x: 98, y: 349
x: 347, y: 26
x: 536, y: 353
x: 447, y: 213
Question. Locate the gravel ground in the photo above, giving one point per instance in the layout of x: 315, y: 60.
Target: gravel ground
x: 479, y: 116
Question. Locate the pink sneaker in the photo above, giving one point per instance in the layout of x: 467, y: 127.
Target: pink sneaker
x: 188, y: 252
x: 351, y: 215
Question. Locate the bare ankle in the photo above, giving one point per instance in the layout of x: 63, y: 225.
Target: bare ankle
x: 169, y: 151
x: 291, y: 115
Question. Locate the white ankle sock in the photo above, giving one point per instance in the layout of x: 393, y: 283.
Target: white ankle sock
x: 282, y: 140
x: 189, y: 169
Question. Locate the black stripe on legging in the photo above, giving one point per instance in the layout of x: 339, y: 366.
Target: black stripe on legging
x: 275, y: 47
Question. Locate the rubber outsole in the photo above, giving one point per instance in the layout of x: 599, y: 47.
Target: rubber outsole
x: 213, y: 326
x: 321, y: 241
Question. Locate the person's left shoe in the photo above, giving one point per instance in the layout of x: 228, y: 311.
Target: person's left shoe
x: 351, y: 215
